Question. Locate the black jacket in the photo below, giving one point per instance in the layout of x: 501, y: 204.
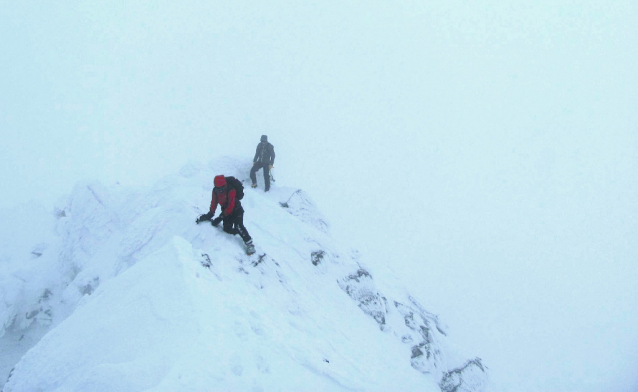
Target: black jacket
x: 265, y: 154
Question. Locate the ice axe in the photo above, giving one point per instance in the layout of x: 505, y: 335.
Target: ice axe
x: 270, y: 174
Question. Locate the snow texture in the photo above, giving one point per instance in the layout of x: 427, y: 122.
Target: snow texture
x: 120, y: 290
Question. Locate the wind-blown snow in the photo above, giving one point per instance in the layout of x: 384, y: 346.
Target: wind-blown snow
x: 133, y: 295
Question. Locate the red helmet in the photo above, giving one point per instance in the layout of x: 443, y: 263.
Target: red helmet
x: 220, y: 181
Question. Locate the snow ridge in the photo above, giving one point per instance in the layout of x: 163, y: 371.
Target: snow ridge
x: 126, y: 292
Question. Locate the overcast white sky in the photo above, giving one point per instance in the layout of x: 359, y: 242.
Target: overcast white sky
x: 486, y: 152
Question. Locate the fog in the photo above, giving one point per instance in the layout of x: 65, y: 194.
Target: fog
x: 485, y: 154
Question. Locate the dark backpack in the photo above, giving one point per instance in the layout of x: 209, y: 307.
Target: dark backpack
x: 239, y: 187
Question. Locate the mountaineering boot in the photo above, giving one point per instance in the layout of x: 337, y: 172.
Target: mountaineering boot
x: 254, y: 185
x: 250, y: 248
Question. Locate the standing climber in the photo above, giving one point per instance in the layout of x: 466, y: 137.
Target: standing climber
x: 264, y: 159
x: 227, y: 193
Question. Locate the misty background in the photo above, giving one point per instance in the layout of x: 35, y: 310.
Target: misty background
x: 484, y: 154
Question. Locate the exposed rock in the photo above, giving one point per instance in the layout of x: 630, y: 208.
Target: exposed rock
x: 317, y: 256
x: 89, y: 287
x: 469, y: 378
x: 426, y: 354
x: 38, y: 250
x: 360, y: 287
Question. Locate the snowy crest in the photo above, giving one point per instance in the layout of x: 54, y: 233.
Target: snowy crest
x: 119, y: 289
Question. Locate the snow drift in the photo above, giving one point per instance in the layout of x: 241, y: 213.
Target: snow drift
x: 120, y: 290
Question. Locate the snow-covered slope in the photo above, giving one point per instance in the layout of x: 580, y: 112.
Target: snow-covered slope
x: 133, y: 296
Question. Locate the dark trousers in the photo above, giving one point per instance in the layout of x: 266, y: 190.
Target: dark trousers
x: 234, y: 224
x: 253, y: 171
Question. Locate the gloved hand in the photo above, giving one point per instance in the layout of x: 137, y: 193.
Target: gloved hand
x: 203, y: 217
x: 216, y: 221
x: 271, y: 166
